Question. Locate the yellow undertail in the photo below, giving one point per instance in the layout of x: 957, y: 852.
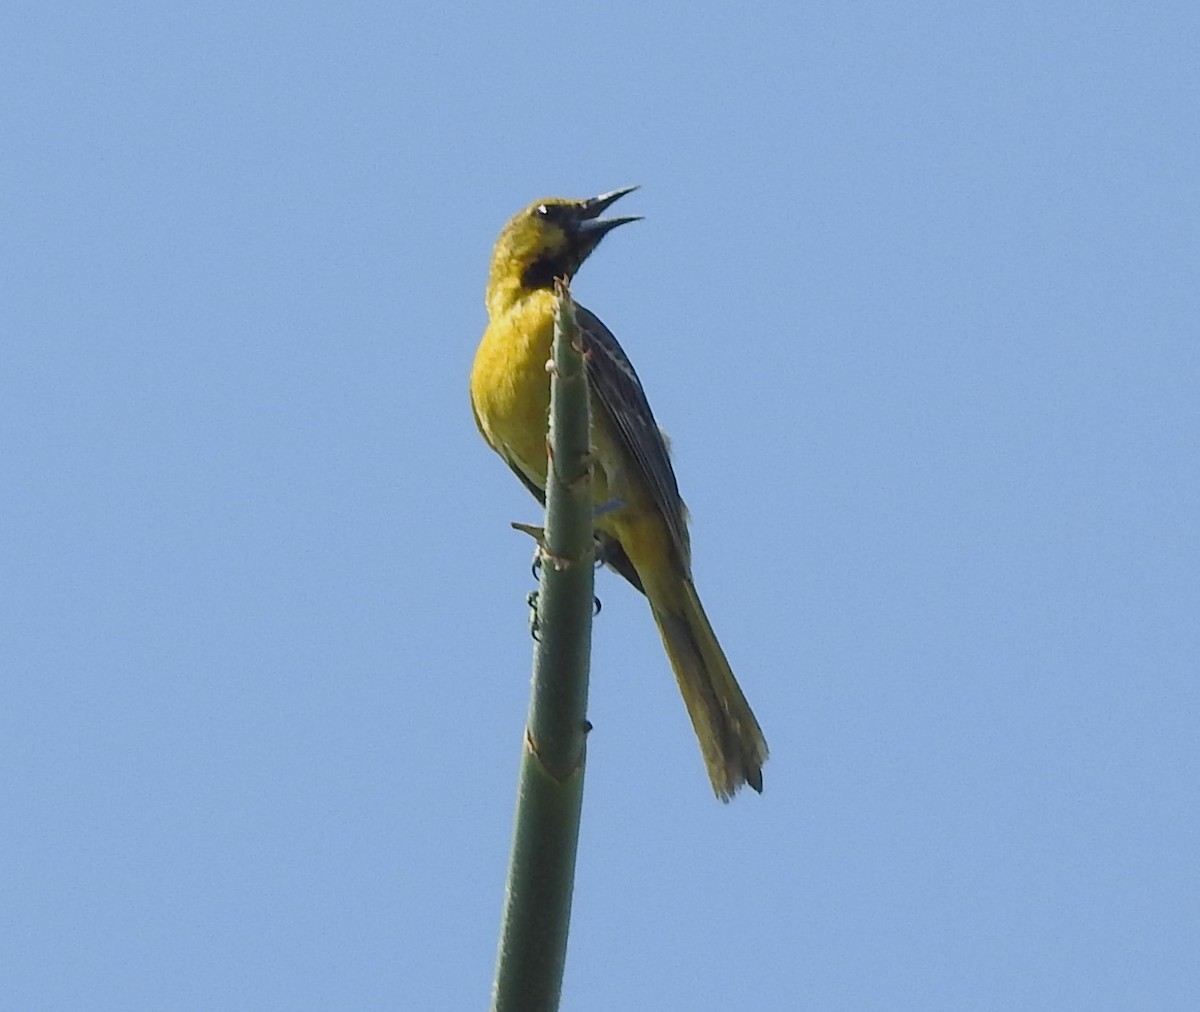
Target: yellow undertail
x: 731, y: 741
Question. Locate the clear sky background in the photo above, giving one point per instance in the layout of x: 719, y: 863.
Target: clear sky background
x: 916, y: 297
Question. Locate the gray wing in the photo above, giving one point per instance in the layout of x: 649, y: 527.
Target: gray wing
x: 618, y: 392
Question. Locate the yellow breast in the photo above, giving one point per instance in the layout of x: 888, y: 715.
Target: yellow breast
x: 510, y: 388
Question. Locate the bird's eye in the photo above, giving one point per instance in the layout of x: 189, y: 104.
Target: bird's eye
x: 543, y: 211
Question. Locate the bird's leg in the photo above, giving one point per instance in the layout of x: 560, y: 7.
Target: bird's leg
x: 535, y: 568
x: 535, y: 628
x: 609, y: 507
x: 540, y: 555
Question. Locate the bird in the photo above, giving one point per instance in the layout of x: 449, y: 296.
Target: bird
x: 640, y: 519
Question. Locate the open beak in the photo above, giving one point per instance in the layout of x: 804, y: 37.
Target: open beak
x: 593, y: 226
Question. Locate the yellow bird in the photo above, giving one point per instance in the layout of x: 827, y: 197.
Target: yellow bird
x: 642, y: 528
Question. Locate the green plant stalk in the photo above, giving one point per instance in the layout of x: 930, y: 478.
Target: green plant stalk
x: 541, y: 874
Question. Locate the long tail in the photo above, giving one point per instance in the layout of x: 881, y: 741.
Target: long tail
x: 731, y: 741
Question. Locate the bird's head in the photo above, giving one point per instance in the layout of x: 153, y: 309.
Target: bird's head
x: 550, y: 239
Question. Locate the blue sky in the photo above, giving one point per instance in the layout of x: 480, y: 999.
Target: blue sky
x: 916, y: 298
